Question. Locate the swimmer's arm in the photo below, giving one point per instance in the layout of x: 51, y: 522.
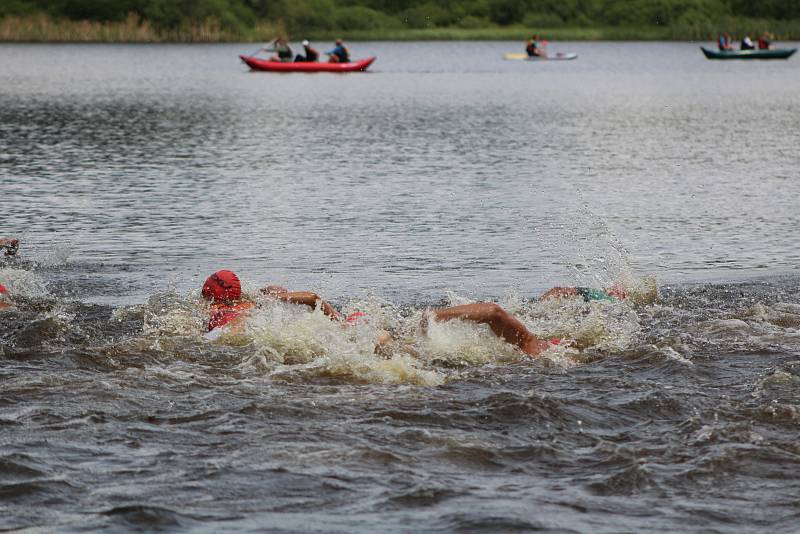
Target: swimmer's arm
x: 309, y: 299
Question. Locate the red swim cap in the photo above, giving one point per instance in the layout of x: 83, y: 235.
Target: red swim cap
x: 222, y: 286
x: 3, y: 289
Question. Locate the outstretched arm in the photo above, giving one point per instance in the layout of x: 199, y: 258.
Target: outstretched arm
x: 306, y: 298
x: 502, y: 323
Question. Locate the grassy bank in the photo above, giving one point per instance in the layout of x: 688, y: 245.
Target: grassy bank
x: 40, y: 28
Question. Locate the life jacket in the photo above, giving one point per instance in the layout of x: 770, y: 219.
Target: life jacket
x: 222, y: 314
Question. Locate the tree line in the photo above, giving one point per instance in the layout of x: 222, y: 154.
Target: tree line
x: 309, y: 16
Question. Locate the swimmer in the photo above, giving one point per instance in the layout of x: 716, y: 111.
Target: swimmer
x: 228, y: 307
x: 502, y: 323
x: 588, y: 294
x: 10, y: 245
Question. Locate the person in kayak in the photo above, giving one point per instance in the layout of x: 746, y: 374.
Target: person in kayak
x: 535, y: 48
x: 10, y: 245
x: 281, y: 47
x: 339, y: 53
x: 764, y: 42
x: 503, y: 324
x: 747, y: 43
x: 311, y: 55
x: 724, y: 43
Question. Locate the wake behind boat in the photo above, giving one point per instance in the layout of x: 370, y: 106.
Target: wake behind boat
x: 302, y: 66
x: 776, y: 53
x: 510, y: 56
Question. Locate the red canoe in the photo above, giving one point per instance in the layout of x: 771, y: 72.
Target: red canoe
x: 280, y: 66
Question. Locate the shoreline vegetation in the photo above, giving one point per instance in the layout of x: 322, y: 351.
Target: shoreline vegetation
x: 44, y: 29
x: 213, y: 21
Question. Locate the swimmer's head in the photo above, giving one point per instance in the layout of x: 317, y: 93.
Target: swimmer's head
x: 3, y: 289
x: 222, y: 286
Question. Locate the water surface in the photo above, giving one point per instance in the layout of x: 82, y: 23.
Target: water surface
x: 443, y: 175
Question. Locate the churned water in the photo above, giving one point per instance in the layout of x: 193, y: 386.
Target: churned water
x: 443, y: 175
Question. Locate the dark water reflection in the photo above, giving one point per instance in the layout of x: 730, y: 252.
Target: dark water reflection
x: 131, y: 172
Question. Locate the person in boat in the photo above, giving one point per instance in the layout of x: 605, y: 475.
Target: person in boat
x: 311, y: 55
x: 339, y: 53
x: 281, y: 47
x: 535, y: 48
x: 9, y: 245
x: 724, y: 43
x: 764, y: 42
x: 747, y: 43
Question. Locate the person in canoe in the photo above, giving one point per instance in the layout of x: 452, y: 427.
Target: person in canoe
x: 10, y: 245
x: 311, y: 55
x: 339, y: 53
x: 535, y: 48
x: 747, y: 43
x: 281, y: 47
x: 724, y: 43
x: 764, y: 42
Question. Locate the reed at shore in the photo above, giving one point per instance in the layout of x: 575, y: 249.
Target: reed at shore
x: 41, y: 28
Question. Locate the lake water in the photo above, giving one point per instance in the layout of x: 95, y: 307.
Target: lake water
x: 442, y: 175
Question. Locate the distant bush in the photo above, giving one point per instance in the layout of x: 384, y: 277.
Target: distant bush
x: 542, y: 20
x: 362, y: 18
x: 471, y: 22
x: 426, y: 16
x: 17, y: 8
x: 202, y: 19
